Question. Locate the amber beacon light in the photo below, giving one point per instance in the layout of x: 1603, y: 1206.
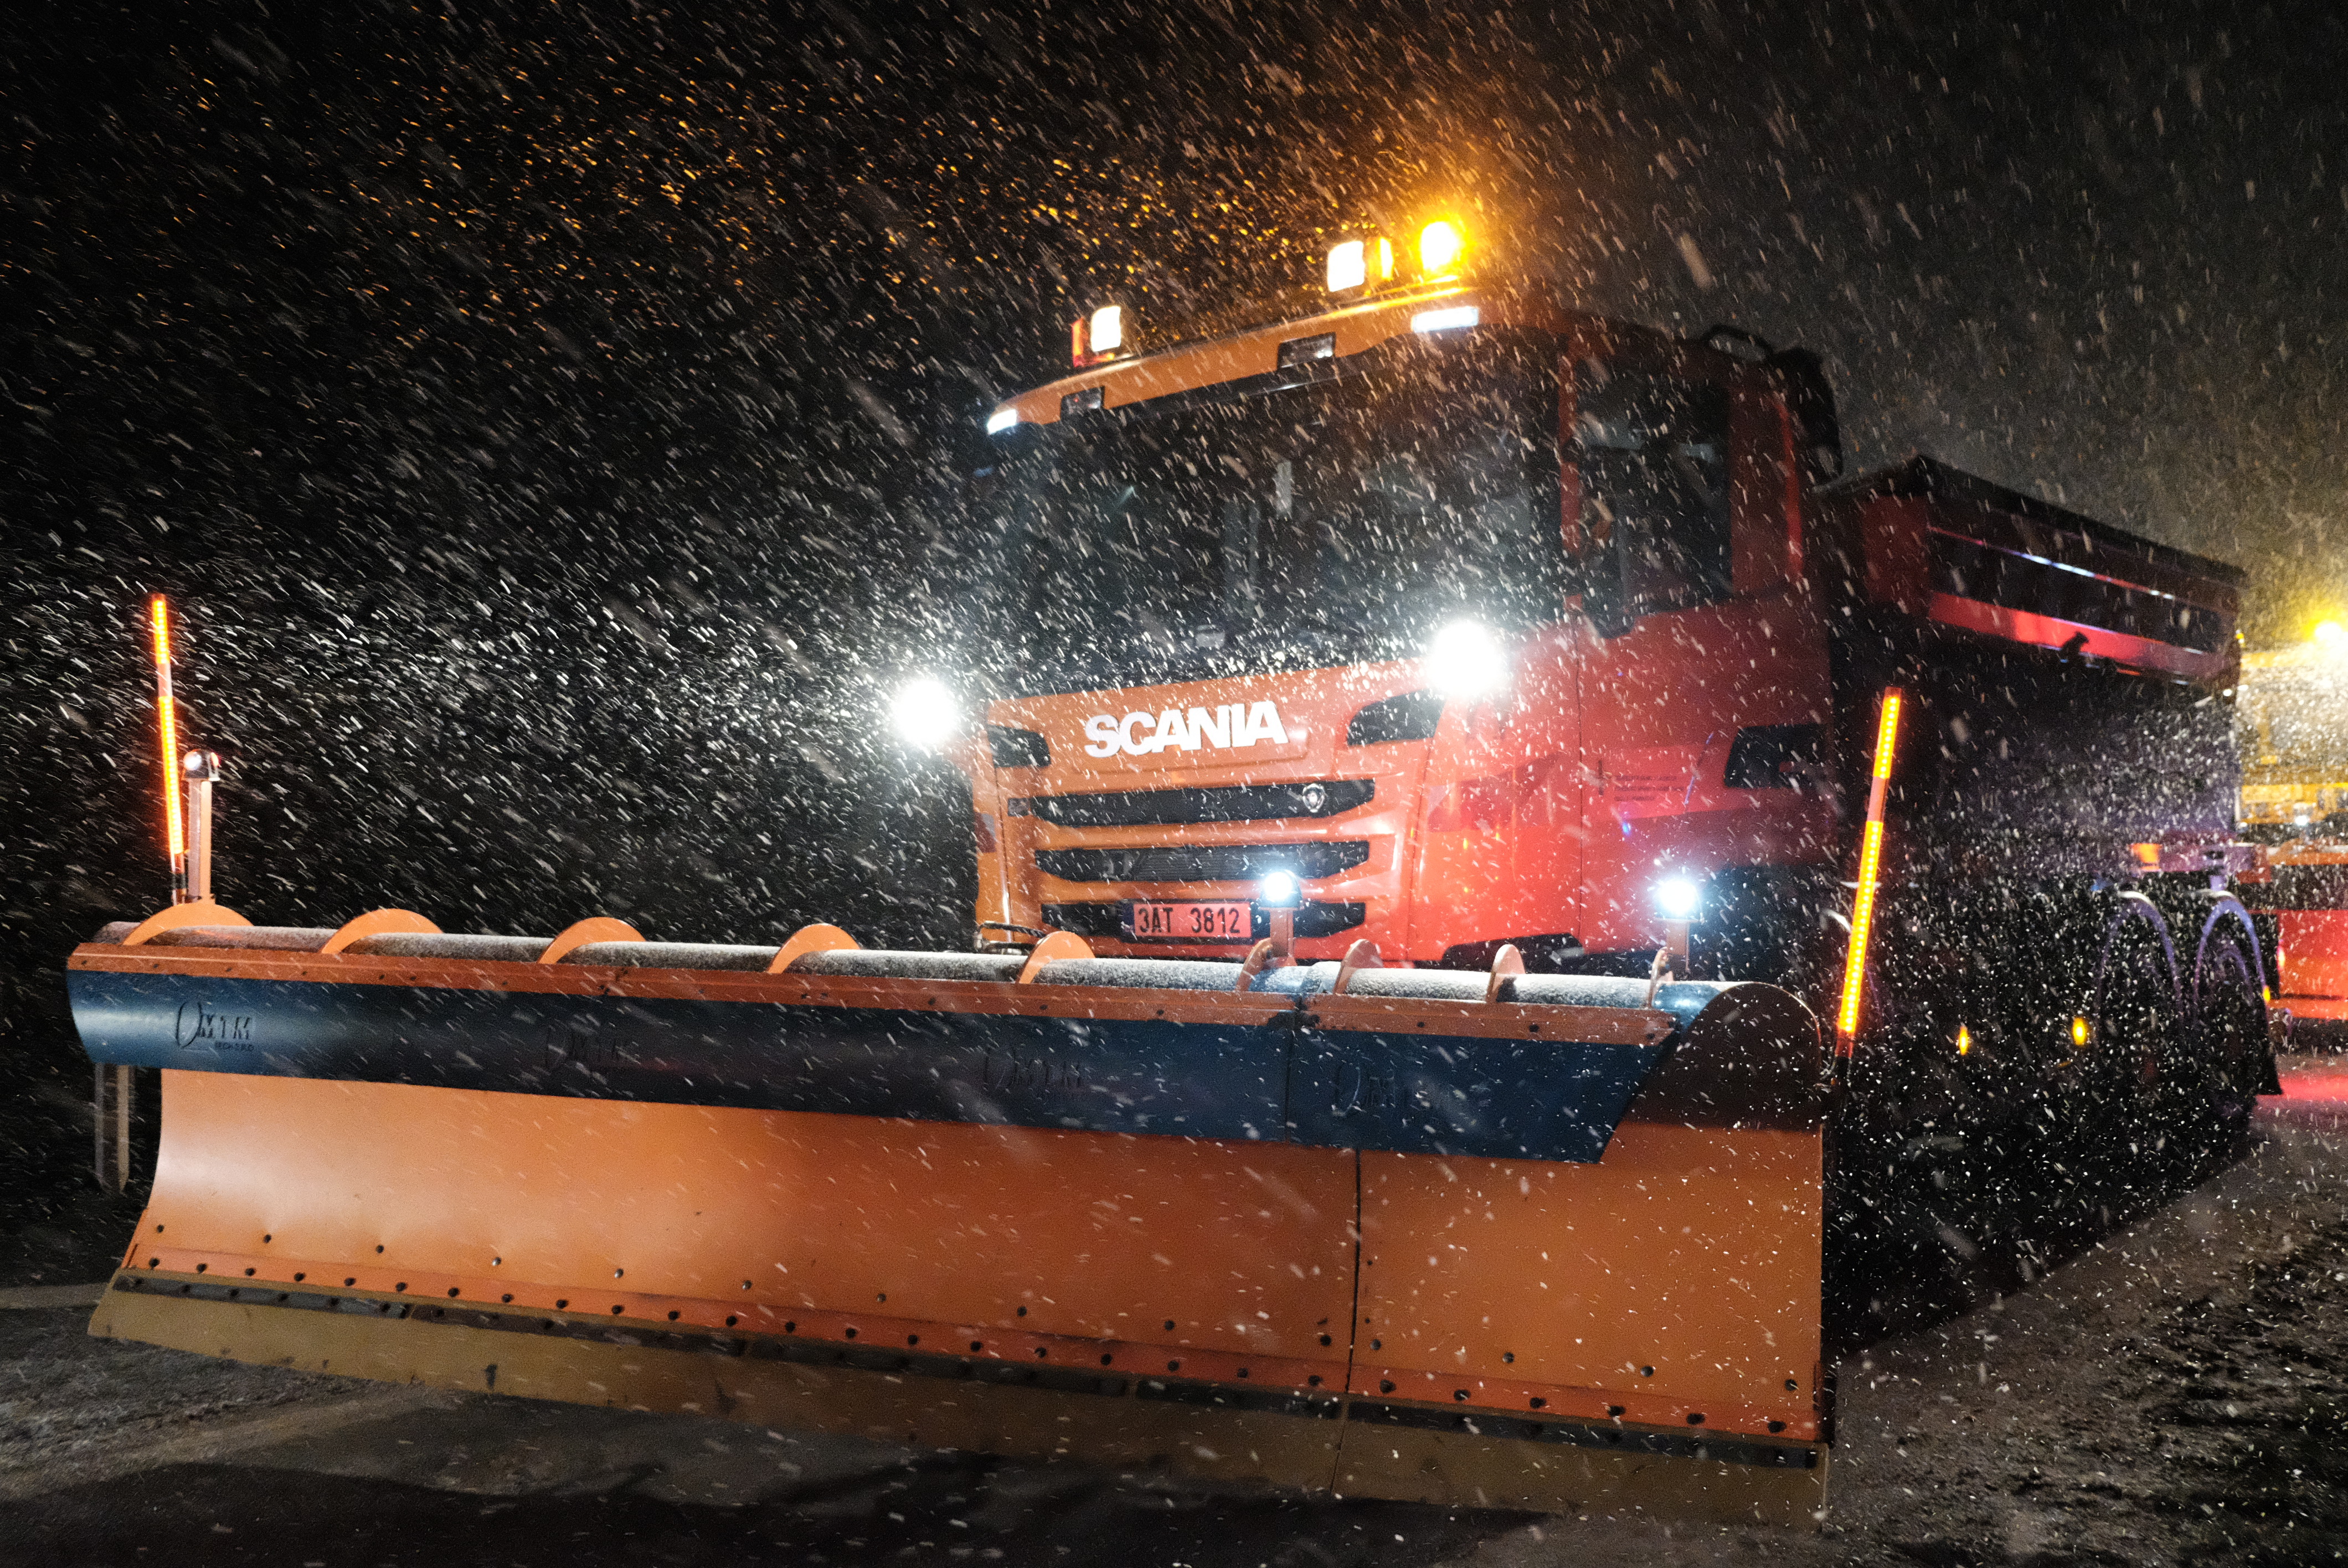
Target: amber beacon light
x: 1870, y: 867
x: 1440, y: 247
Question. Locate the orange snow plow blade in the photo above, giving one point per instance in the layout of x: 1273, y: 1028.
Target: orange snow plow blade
x: 1521, y: 1241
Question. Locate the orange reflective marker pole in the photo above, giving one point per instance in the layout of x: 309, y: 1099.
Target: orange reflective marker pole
x: 1870, y: 867
x: 159, y: 617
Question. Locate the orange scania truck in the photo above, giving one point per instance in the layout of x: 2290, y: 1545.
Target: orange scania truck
x: 1505, y: 886
x: 1437, y: 620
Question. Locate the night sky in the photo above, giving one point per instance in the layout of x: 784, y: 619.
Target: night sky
x: 547, y: 416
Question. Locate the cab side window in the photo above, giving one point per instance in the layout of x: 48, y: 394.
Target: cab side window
x: 1653, y: 455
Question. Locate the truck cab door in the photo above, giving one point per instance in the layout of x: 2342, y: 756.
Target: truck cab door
x: 1701, y: 648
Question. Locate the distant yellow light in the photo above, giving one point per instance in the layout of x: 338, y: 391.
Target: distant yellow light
x: 2079, y: 1031
x: 1964, y: 1040
x: 1440, y: 246
x: 1107, y: 331
x: 2332, y: 634
x: 1349, y: 266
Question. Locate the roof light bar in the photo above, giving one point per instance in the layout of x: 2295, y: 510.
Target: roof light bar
x: 1870, y: 867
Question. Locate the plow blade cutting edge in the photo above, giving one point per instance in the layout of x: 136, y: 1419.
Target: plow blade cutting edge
x: 1538, y: 1243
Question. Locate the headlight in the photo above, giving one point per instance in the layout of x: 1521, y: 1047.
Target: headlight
x: 1465, y: 659
x: 1679, y: 897
x: 1279, y: 890
x: 925, y: 713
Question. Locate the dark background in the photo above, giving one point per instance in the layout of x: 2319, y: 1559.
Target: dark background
x: 546, y: 420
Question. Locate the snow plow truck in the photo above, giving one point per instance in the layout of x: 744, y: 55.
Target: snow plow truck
x: 1494, y: 861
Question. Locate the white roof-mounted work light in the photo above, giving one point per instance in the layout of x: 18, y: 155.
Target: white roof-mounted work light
x: 1359, y: 263
x: 1098, y: 336
x: 1108, y: 332
x: 1349, y: 266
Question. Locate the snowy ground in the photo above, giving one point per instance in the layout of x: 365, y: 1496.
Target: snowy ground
x: 2179, y: 1394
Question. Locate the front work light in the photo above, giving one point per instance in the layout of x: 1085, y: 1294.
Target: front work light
x: 1440, y: 246
x: 1445, y: 318
x: 1679, y: 898
x: 925, y: 713
x: 1465, y: 659
x: 1279, y: 890
x: 1001, y: 419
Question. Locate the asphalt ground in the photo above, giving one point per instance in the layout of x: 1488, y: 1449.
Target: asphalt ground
x: 2178, y: 1393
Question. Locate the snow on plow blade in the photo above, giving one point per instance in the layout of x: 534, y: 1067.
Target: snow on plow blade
x: 1556, y: 1250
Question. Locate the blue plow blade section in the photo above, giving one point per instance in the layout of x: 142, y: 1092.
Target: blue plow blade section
x: 1287, y: 1080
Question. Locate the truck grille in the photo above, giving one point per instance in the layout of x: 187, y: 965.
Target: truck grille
x: 1202, y: 862
x: 1235, y: 802
x: 1108, y: 920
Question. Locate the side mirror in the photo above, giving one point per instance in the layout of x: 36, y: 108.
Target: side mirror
x: 1596, y: 572
x: 1809, y: 397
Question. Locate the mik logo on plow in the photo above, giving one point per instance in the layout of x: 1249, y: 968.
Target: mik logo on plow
x: 196, y: 1027
x: 1231, y: 727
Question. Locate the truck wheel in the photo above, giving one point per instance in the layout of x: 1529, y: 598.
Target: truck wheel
x: 2130, y: 1067
x: 2227, y: 1009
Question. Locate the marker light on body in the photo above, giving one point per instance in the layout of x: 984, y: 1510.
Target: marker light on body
x: 1870, y: 865
x: 158, y: 621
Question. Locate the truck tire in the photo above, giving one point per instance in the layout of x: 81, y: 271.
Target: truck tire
x: 2226, y: 1008
x: 2127, y: 1076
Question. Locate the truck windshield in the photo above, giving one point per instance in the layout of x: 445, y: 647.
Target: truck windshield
x: 1339, y: 519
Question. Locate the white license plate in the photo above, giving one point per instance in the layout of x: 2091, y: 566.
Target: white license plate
x: 1233, y: 922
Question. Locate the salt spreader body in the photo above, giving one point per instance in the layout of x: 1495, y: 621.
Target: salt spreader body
x: 1451, y: 760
